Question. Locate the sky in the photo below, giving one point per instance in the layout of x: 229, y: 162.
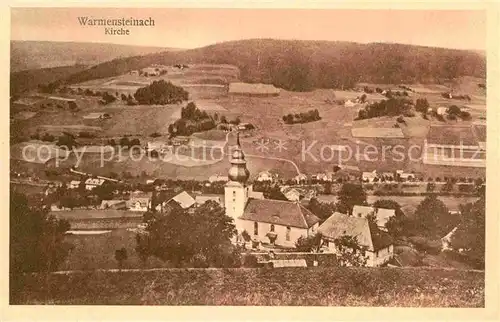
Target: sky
x: 191, y: 28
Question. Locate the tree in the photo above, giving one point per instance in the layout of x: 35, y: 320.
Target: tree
x: 432, y: 218
x: 349, y: 251
x: 422, y: 105
x: 121, y: 256
x: 66, y: 140
x: 180, y: 235
x: 397, y: 225
x: 322, y: 210
x: 36, y: 240
x: 124, y: 142
x: 309, y: 243
x: 453, y: 111
x: 161, y: 93
x: 275, y: 193
x: 470, y: 234
x: 350, y: 194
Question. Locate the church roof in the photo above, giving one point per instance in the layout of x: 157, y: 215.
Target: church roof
x: 279, y: 212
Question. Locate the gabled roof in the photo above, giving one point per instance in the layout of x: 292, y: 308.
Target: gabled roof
x: 184, y: 200
x: 279, y: 212
x: 369, y: 236
x: 383, y: 214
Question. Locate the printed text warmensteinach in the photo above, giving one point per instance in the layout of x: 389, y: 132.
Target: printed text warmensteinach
x: 122, y: 22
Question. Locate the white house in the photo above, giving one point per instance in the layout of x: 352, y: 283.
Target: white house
x: 265, y: 220
x: 379, y: 248
x: 91, y: 183
x: 139, y: 201
x: 441, y: 110
x: 265, y: 176
x: 322, y: 177
x: 300, y: 178
x: 383, y: 215
x: 218, y: 178
x: 74, y: 184
x: 369, y: 176
x: 349, y: 103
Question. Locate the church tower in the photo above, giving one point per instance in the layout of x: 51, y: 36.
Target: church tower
x: 237, y: 190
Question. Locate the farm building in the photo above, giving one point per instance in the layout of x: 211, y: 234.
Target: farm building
x: 291, y: 193
x: 92, y: 183
x: 455, y: 146
x: 134, y: 72
x: 248, y: 89
x: 97, y: 116
x: 379, y: 247
x: 300, y: 178
x: 61, y: 102
x: 383, y: 215
x: 369, y: 176
x: 151, y: 71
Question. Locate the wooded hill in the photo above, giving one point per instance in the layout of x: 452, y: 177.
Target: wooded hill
x: 303, y: 65
x: 44, y: 54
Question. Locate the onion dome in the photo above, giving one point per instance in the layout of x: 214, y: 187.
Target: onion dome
x: 238, y: 171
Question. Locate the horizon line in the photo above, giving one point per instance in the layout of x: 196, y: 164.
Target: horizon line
x: 243, y: 39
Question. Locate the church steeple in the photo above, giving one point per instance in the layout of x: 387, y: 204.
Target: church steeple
x: 238, y: 171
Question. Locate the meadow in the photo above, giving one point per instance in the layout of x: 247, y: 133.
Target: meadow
x: 318, y: 286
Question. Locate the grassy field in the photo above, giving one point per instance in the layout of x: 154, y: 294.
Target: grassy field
x: 288, y: 286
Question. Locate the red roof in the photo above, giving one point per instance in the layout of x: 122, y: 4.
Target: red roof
x: 285, y: 213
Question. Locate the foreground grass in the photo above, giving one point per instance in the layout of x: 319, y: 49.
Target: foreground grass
x: 288, y: 286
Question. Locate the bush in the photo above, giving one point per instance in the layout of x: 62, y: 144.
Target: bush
x: 423, y: 244
x: 87, y: 135
x: 250, y: 260
x: 155, y: 135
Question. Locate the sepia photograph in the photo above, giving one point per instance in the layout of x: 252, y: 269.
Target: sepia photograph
x: 247, y: 157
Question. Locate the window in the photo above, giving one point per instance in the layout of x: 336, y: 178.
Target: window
x: 234, y: 194
x: 288, y: 233
x: 255, y: 228
x: 272, y: 228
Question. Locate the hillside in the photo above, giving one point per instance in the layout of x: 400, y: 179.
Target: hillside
x: 29, y: 79
x: 44, y: 54
x: 303, y: 65
x: 330, y: 286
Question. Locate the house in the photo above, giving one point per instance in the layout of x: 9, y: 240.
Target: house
x: 151, y: 71
x: 201, y: 199
x: 441, y: 110
x: 218, y: 178
x: 274, y: 221
x: 97, y: 116
x: 292, y: 194
x: 74, y: 184
x: 266, y: 176
x: 114, y: 204
x: 180, y: 140
x: 134, y: 72
x: 91, y: 183
x: 139, y: 201
x: 405, y: 176
x: 300, y: 178
x: 324, y: 177
x: 383, y: 215
x: 379, y: 248
x: 369, y: 176
x: 165, y: 200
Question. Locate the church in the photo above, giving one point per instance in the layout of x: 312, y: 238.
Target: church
x: 265, y: 220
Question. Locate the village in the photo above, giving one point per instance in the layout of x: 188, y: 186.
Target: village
x: 247, y: 172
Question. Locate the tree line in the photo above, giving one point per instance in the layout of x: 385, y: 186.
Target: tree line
x: 309, y: 116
